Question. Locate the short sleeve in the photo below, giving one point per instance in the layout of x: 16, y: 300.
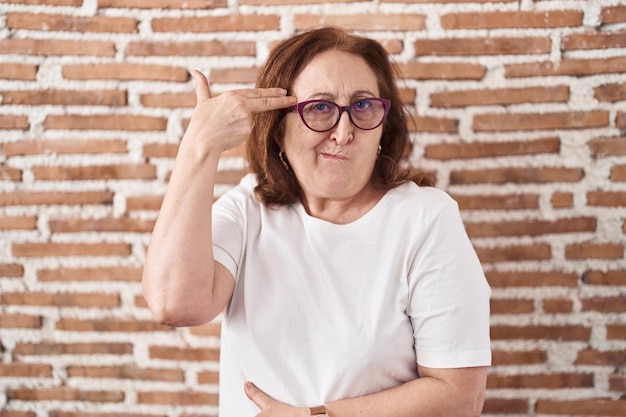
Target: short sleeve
x: 229, y: 223
x: 449, y: 297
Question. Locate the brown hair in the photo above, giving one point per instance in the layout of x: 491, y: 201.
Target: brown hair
x: 276, y: 185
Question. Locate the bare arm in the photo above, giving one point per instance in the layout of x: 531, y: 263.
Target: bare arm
x: 438, y: 392
x: 181, y: 282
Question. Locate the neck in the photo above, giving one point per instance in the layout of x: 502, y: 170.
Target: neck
x: 342, y: 210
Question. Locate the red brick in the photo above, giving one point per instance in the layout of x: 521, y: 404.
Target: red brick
x: 60, y: 146
x: 11, y: 270
x: 95, y: 172
x: 558, y: 305
x: 234, y: 75
x: 184, y: 354
x: 530, y: 357
x: 10, y: 174
x: 125, y: 71
x: 151, y: 203
x: 160, y: 150
x: 20, y: 321
x: 482, y: 46
x: 70, y: 249
x: 516, y: 19
x: 547, y: 381
x: 610, y: 92
x: 65, y: 97
x: 574, y: 67
x: 91, y: 274
x: 531, y: 279
x: 613, y: 14
x: 539, y: 121
x: 110, y: 325
x: 7, y: 412
x: 617, y: 382
x: 507, y: 306
x: 25, y: 370
x: 506, y: 406
x: 14, y: 122
x: 610, y: 277
x: 107, y: 224
x: 516, y: 175
x: 500, y: 96
x: 497, y: 202
x: 168, y: 100
x: 229, y: 23
x: 76, y: 3
x: 433, y: 124
x: 531, y: 227
x: 95, y: 300
x: 126, y: 372
x: 186, y: 398
x: 441, y: 71
x: 532, y: 252
x: 14, y: 71
x: 50, y: 348
x: 207, y: 330
x: 562, y: 200
x: 601, y: 358
x: 18, y: 223
x: 616, y: 331
x: 618, y: 173
x: 30, y: 198
x: 606, y: 198
x: 467, y: 150
x: 603, y: 147
x: 64, y: 394
x: 594, y: 40
x: 361, y: 22
x: 198, y: 48
x: 569, y: 333
x: 208, y: 378
x: 588, y: 407
x: 287, y: 2
x: 620, y: 120
x: 66, y: 23
x: 162, y: 4
x: 594, y: 251
x: 57, y: 47
x: 106, y: 122
x: 605, y: 305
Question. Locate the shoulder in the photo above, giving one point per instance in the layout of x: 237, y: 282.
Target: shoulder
x: 427, y: 198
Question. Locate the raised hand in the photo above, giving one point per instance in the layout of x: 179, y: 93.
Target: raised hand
x: 223, y: 122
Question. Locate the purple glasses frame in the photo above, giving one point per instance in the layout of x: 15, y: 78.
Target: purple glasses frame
x: 300, y: 107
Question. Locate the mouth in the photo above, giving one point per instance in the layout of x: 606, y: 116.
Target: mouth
x: 333, y: 156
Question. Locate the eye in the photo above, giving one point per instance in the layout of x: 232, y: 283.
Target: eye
x: 320, y: 107
x: 362, y: 104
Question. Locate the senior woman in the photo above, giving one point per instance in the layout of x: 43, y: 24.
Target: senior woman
x: 349, y: 288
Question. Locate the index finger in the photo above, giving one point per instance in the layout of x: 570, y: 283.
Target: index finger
x: 265, y: 99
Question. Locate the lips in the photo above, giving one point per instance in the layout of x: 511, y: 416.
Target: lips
x: 333, y: 156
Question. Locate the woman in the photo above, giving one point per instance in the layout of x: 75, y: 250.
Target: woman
x: 347, y: 289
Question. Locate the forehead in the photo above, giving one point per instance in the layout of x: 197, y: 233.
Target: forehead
x: 335, y: 73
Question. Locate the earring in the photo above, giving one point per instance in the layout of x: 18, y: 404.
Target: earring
x: 380, y: 148
x: 283, y: 161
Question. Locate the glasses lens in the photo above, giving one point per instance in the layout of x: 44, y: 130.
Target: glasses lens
x: 320, y: 115
x: 367, y: 113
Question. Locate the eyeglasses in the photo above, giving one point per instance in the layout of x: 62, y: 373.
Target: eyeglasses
x: 324, y: 115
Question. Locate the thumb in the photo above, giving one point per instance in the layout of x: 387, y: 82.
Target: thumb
x: 203, y: 92
x: 257, y: 396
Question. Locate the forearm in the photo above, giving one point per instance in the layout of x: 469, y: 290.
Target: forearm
x: 179, y: 267
x: 461, y: 395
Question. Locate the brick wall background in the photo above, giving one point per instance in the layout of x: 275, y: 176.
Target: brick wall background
x: 521, y: 115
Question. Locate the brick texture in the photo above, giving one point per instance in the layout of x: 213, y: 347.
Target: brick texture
x: 520, y: 114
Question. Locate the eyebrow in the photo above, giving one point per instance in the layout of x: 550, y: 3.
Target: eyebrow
x: 331, y: 97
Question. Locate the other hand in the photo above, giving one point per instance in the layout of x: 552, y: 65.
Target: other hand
x: 223, y: 122
x: 270, y: 407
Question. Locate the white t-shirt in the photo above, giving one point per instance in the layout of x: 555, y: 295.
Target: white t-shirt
x: 323, y: 311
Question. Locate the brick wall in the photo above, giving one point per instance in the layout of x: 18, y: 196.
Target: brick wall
x: 521, y: 115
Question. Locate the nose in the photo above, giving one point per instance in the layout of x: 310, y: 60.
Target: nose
x: 343, y: 132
